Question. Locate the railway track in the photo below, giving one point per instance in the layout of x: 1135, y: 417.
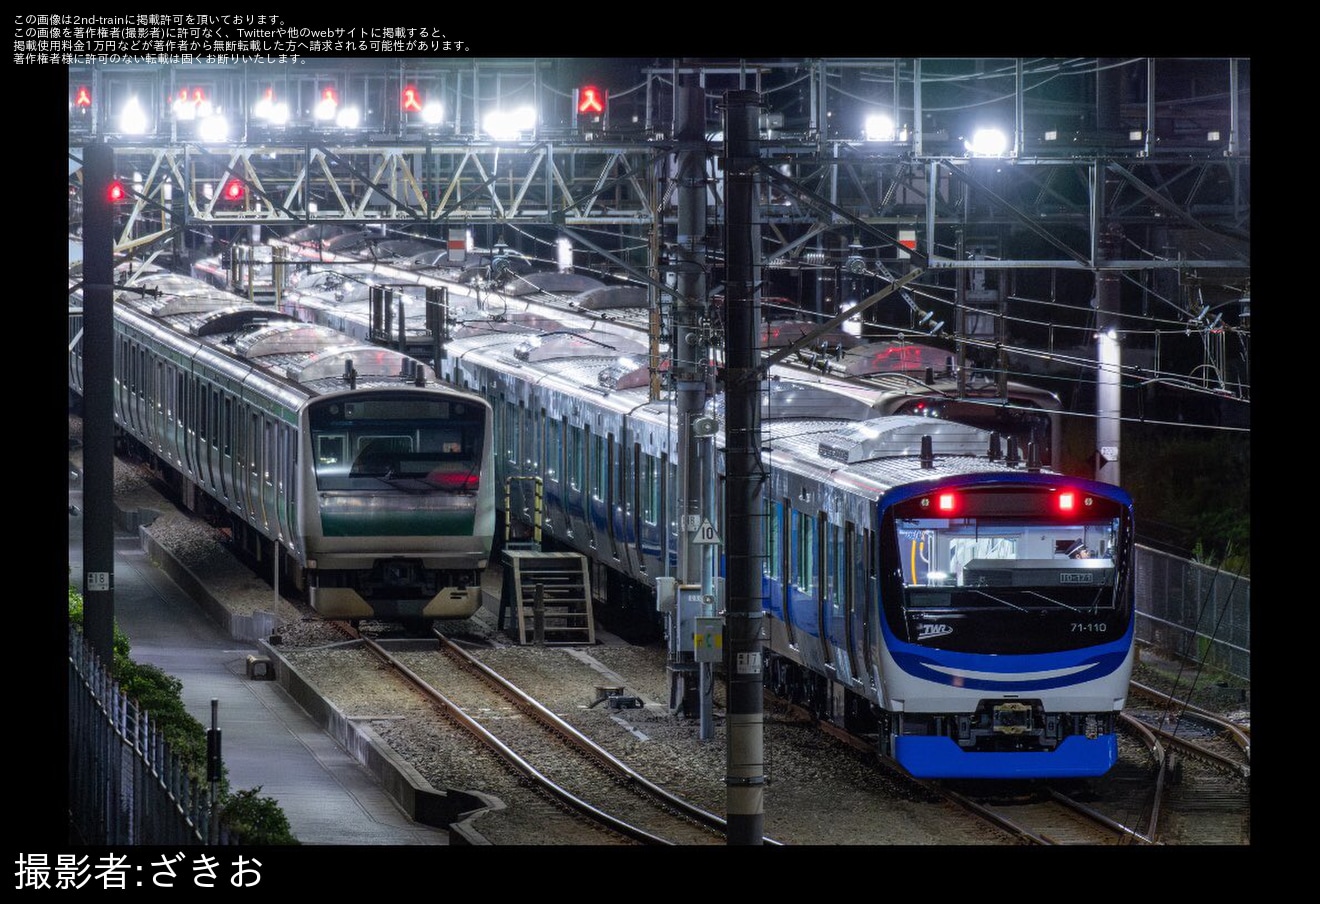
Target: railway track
x: 565, y: 763
x: 1206, y: 770
x: 568, y: 789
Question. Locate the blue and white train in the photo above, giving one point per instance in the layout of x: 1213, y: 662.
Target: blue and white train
x: 923, y: 581
x: 370, y: 483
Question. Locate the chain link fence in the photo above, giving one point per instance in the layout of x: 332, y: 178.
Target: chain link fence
x: 1195, y: 612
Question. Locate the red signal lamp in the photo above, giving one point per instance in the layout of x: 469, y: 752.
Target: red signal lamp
x: 591, y: 100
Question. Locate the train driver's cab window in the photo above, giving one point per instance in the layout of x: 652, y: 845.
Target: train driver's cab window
x: 330, y: 452
x: 380, y: 455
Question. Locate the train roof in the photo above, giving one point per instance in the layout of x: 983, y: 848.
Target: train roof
x: 873, y: 376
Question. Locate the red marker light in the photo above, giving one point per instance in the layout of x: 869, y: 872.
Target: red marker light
x: 591, y: 100
x: 946, y: 502
x: 1067, y: 501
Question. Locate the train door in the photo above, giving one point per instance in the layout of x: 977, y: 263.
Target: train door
x: 213, y: 434
x: 279, y: 464
x: 228, y: 467
x: 197, y: 428
x: 853, y: 598
x: 243, y: 465
x: 286, y: 489
x: 610, y: 496
x: 772, y: 561
x: 638, y: 488
x: 651, y: 513
x: 866, y: 583
x: 831, y: 594
x: 592, y: 491
x: 554, y: 467
x: 178, y: 418
x: 256, y: 470
x: 792, y: 565
x: 206, y: 436
x: 576, y: 474
x: 183, y: 417
x: 156, y: 411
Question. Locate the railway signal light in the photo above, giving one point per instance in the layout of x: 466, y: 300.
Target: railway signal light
x: 115, y: 192
x: 235, y: 190
x: 589, y: 103
x: 82, y: 98
x: 411, y: 101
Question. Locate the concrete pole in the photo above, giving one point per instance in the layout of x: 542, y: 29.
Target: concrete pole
x: 744, y: 546
x: 690, y: 356
x: 98, y: 409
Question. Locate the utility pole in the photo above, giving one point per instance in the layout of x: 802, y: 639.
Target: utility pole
x: 691, y: 356
x: 98, y: 411
x: 744, y: 543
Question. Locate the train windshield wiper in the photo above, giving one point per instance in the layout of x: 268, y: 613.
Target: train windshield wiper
x: 1039, y: 595
x: 998, y: 599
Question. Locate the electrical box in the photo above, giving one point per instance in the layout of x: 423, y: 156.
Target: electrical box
x: 708, y: 638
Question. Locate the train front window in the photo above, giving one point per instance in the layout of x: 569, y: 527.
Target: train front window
x: 407, y: 443
x: 1020, y: 566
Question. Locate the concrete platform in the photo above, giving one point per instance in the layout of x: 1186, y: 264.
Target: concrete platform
x: 269, y: 741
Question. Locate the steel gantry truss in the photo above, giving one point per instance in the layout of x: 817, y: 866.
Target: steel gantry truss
x: 576, y: 183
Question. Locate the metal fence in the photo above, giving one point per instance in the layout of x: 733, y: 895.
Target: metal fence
x: 1195, y: 612
x: 125, y: 785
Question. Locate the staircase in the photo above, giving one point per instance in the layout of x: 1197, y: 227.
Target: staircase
x: 564, y: 614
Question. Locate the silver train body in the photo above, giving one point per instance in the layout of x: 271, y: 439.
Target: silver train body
x: 371, y: 485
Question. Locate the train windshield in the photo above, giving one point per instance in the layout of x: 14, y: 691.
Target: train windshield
x: 1008, y: 569
x: 406, y: 441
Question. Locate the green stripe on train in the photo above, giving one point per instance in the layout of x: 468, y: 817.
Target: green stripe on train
x: 403, y: 524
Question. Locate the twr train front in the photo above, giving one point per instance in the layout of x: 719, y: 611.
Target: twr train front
x: 1006, y: 625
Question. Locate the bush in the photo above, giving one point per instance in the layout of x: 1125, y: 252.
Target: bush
x: 256, y: 820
